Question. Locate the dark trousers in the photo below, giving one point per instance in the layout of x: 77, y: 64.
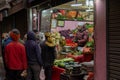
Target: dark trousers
x: 48, y: 73
x: 33, y: 72
x: 14, y: 75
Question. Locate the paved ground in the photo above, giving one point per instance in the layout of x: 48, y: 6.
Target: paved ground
x: 2, y: 72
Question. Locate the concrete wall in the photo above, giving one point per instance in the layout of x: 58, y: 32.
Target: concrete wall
x: 100, y: 37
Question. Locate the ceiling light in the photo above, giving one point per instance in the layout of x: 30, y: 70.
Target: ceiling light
x: 51, y: 11
x: 88, y: 10
x: 34, y: 14
x: 76, y: 5
x: 89, y: 2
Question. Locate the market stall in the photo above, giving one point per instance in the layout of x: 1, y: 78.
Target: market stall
x: 73, y: 32
x: 75, y: 48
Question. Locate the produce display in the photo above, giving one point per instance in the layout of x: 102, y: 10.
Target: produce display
x: 62, y: 62
x: 76, y: 45
x: 66, y: 34
x: 80, y: 40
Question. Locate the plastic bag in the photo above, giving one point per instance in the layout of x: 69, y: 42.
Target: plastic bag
x: 42, y: 74
x: 24, y: 73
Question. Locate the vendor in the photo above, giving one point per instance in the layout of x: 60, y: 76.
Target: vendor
x: 81, y: 35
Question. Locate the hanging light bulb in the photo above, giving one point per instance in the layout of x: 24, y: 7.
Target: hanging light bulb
x: 76, y: 4
x: 51, y: 11
x: 89, y: 3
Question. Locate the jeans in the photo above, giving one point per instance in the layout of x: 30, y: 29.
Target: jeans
x: 33, y: 72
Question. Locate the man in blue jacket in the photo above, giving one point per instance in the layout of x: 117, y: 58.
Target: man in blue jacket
x: 33, y: 51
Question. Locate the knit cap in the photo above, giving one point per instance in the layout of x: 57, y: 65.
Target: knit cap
x: 15, y: 34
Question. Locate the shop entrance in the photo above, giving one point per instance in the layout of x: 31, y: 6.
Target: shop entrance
x: 72, y: 25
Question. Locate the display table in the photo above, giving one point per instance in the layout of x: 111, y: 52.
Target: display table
x: 77, y: 76
x: 56, y: 72
x: 64, y: 76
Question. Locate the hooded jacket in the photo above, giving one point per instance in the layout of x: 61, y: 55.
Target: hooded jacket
x: 15, y: 55
x: 48, y: 54
x: 33, y: 50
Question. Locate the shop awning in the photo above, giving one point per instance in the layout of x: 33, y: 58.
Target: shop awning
x: 7, y: 6
x: 4, y: 4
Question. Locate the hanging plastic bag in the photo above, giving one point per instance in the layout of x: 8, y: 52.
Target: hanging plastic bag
x: 42, y: 74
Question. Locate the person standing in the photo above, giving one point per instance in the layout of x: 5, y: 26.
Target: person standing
x: 15, y: 57
x: 34, y: 57
x: 5, y: 40
x: 48, y: 55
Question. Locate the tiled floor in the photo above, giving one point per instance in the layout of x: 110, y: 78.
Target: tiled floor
x: 2, y: 72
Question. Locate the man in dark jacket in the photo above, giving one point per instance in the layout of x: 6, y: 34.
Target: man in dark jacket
x: 48, y: 55
x: 33, y: 51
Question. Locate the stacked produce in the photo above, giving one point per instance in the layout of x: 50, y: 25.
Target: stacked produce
x: 66, y: 34
x: 69, y: 42
x: 62, y: 62
x: 78, y: 46
x: 56, y: 37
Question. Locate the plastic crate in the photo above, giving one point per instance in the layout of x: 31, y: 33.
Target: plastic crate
x: 64, y: 76
x: 77, y: 77
x: 56, y: 73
